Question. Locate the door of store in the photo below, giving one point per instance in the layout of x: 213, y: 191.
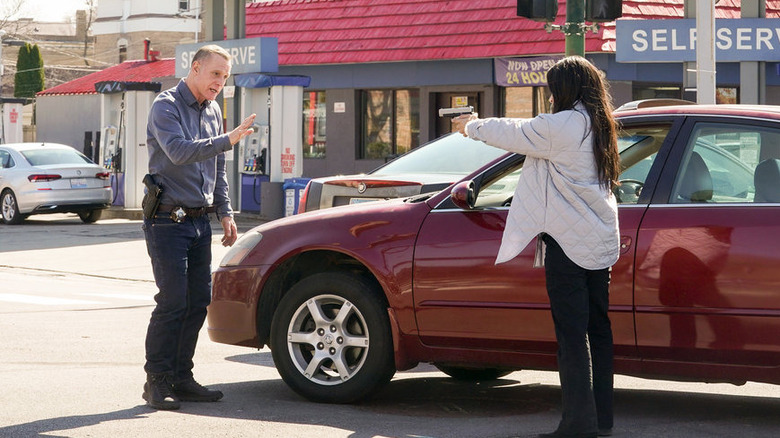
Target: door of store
x: 452, y: 100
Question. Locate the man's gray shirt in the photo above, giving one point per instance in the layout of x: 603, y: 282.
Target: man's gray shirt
x: 186, y: 150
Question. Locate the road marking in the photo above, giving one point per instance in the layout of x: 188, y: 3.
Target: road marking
x: 45, y: 301
x: 118, y: 296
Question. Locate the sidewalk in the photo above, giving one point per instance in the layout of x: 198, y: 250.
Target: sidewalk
x: 244, y: 220
x: 114, y: 247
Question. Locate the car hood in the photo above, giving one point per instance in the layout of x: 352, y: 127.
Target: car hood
x: 422, y: 178
x: 352, y: 229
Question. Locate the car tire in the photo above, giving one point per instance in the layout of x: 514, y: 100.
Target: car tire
x: 331, y: 340
x: 91, y: 216
x: 10, y: 209
x: 473, y: 374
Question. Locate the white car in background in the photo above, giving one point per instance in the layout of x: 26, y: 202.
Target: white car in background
x: 431, y: 167
x: 38, y: 178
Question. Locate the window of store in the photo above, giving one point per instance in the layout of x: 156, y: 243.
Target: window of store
x: 390, y: 122
x: 644, y: 91
x: 723, y: 95
x: 314, y: 110
x: 526, y: 102
x: 726, y: 95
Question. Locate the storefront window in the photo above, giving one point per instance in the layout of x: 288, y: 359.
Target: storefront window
x: 723, y: 95
x: 391, y: 122
x: 314, y: 124
x: 641, y: 92
x: 526, y: 102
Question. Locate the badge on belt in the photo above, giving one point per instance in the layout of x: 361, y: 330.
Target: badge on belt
x: 178, y: 214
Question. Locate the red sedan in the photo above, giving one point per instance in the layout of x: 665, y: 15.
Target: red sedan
x: 346, y: 296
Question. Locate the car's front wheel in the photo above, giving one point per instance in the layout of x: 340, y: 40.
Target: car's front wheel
x: 330, y: 338
x: 9, y: 208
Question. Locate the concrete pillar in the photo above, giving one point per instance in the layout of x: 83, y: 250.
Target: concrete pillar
x: 752, y: 74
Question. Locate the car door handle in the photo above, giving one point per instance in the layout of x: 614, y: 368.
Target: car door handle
x: 625, y: 244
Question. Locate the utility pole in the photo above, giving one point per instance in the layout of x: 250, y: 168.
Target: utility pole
x: 705, y: 52
x: 574, y: 28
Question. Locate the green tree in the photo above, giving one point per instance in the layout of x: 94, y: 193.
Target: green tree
x: 29, y: 78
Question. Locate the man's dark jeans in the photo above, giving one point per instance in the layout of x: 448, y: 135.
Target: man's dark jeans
x: 181, y: 262
x: 579, y: 300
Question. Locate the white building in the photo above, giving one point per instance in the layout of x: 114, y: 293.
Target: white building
x: 123, y: 25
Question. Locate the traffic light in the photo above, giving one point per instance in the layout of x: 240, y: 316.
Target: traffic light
x: 600, y: 11
x: 538, y: 10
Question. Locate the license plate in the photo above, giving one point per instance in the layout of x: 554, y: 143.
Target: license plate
x: 78, y: 183
x: 362, y: 200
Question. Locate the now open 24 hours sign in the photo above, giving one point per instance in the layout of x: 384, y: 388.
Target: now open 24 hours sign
x: 674, y: 40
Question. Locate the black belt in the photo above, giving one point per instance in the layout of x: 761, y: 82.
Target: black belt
x: 191, y: 212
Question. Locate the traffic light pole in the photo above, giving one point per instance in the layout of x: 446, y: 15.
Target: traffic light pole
x: 573, y: 29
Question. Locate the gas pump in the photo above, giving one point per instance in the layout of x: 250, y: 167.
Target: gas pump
x: 111, y: 153
x: 11, y: 120
x: 254, y: 151
x: 253, y: 154
x: 274, y: 152
x: 124, y: 112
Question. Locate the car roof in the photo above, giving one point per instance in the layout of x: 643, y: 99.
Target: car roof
x: 755, y: 111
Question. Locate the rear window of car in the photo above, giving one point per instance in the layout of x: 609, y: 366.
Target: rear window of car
x: 46, y: 157
x: 451, y: 154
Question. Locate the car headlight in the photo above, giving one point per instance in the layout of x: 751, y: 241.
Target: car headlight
x: 241, y: 248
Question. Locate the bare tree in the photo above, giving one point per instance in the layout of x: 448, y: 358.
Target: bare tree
x: 8, y: 9
x: 91, y: 15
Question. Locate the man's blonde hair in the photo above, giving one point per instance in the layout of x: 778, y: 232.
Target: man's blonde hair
x: 207, y: 50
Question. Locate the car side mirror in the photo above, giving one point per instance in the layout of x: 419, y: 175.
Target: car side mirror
x: 463, y: 195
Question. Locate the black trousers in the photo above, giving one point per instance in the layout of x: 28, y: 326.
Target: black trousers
x: 579, y: 300
x: 181, y: 263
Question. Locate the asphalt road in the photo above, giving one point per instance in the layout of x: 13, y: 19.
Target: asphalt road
x: 74, y: 303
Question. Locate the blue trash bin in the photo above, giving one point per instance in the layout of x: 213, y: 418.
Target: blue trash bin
x: 293, y: 190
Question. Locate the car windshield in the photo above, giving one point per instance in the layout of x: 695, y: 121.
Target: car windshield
x: 630, y: 140
x: 46, y: 157
x: 452, y: 153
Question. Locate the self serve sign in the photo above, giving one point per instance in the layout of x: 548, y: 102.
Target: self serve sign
x: 674, y: 40
x: 249, y: 55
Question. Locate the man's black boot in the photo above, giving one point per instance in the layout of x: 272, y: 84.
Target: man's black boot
x: 192, y: 391
x: 158, y: 392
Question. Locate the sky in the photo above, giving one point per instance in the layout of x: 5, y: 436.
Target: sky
x: 51, y: 10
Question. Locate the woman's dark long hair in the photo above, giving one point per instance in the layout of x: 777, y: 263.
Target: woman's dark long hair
x: 574, y: 79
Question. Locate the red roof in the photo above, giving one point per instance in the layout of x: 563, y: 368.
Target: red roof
x: 360, y: 31
x: 128, y: 71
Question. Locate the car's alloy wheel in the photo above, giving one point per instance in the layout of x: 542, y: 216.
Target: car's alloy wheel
x: 10, y: 210
x: 331, y: 339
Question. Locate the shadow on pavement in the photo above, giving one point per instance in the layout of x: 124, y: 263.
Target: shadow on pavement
x: 423, y: 406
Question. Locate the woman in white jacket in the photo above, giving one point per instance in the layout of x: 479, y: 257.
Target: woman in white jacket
x: 564, y: 196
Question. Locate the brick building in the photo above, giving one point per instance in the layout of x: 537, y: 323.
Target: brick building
x: 380, y: 69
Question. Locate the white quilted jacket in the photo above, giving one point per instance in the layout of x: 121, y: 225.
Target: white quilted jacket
x: 558, y: 192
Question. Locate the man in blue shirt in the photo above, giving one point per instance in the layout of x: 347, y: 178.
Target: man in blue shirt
x: 187, y: 159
